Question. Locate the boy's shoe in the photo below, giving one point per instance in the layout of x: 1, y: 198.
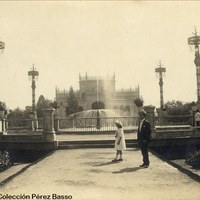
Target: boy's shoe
x: 145, y: 166
x: 115, y: 160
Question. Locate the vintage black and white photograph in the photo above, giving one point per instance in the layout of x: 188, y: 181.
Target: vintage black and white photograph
x: 100, y: 100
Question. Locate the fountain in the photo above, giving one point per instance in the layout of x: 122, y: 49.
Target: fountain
x: 102, y: 113
x: 97, y: 118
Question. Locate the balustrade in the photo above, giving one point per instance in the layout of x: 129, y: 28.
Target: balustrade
x: 90, y: 124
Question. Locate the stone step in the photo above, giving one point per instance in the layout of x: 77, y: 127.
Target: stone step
x: 93, y: 141
x: 92, y: 144
x: 173, y: 128
x: 82, y: 146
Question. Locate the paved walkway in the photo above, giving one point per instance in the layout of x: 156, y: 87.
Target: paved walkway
x: 88, y: 174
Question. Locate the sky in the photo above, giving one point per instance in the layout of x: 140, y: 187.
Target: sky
x: 127, y: 38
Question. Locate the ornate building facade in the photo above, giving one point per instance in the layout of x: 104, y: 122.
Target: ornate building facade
x: 100, y: 93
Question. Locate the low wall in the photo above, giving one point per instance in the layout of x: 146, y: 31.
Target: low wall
x: 167, y: 132
x: 26, y: 142
x: 29, y: 145
x: 21, y: 138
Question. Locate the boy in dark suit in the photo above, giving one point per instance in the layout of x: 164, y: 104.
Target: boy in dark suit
x: 143, y: 136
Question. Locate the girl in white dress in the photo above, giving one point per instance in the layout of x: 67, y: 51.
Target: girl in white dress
x: 120, y: 143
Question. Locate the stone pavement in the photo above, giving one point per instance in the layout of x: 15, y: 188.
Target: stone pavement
x: 12, y: 170
x: 89, y: 174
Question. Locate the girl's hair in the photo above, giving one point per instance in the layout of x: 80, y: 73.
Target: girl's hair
x: 119, y: 126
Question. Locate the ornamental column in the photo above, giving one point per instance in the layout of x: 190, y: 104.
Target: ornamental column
x: 3, y: 128
x: 160, y: 70
x: 33, y: 74
x: 195, y: 41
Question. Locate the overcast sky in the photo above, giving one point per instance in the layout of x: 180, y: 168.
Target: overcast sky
x: 129, y: 38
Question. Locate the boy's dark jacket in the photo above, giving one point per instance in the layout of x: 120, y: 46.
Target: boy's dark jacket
x: 144, y: 135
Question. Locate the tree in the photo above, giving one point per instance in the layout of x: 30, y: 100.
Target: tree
x: 2, y: 106
x: 55, y: 105
x: 18, y: 118
x: 72, y: 102
x: 42, y: 104
x: 178, y: 107
x: 3, y: 110
x: 18, y: 113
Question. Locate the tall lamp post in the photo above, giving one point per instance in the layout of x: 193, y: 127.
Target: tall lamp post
x: 195, y: 40
x: 4, y: 123
x: 98, y: 125
x: 160, y: 70
x: 34, y: 74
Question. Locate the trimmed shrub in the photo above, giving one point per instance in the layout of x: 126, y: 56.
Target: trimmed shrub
x: 5, y: 161
x: 194, y: 160
x: 139, y: 101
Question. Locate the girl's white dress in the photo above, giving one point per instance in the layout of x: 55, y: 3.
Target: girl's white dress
x: 122, y: 145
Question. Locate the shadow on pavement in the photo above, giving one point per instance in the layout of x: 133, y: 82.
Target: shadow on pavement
x: 133, y: 149
x: 103, y: 164
x: 133, y: 169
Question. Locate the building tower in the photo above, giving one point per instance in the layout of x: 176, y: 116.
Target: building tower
x: 160, y: 70
x: 195, y: 40
x: 33, y: 74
